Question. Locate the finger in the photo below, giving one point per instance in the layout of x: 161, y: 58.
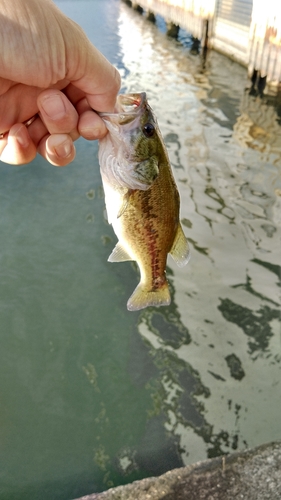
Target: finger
x: 58, y: 113
x: 58, y: 149
x: 82, y: 105
x: 17, y: 148
x: 91, y: 126
x: 17, y: 105
x: 91, y: 73
x: 18, y: 102
x: 104, y: 98
x: 37, y: 130
x: 101, y: 90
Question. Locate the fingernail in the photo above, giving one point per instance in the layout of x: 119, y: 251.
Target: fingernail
x: 53, y: 106
x: 22, y: 136
x: 64, y: 149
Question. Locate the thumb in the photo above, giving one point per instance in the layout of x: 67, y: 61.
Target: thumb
x: 90, y: 72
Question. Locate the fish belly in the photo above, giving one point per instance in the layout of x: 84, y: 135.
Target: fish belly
x: 146, y: 232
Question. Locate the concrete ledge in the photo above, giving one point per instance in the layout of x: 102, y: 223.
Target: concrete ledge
x: 250, y: 475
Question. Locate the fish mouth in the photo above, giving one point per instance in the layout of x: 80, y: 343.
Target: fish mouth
x: 127, y: 108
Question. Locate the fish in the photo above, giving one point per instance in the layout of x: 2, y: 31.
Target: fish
x: 141, y: 197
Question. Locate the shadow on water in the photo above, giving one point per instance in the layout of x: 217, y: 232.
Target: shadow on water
x: 91, y: 395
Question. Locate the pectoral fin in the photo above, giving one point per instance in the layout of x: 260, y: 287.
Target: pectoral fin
x: 180, y: 249
x: 119, y: 254
x: 147, y: 171
x: 125, y: 203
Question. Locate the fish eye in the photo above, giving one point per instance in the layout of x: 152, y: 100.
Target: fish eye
x: 148, y: 130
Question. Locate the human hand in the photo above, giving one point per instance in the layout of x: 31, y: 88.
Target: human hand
x: 48, y: 66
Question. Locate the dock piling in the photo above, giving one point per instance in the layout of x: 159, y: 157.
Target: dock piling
x: 172, y: 29
x: 151, y: 16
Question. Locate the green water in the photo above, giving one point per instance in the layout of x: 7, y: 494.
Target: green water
x: 91, y: 395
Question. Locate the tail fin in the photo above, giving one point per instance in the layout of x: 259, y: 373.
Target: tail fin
x: 142, y: 297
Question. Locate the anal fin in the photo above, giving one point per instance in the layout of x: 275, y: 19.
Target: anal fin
x: 180, y: 249
x: 119, y: 254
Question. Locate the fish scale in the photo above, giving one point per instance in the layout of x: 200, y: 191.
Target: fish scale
x: 145, y: 219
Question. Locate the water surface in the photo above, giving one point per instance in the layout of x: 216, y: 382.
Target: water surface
x: 91, y: 395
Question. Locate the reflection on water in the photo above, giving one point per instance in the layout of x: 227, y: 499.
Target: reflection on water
x: 91, y: 395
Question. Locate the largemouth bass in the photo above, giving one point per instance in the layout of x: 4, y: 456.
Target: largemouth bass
x: 141, y: 197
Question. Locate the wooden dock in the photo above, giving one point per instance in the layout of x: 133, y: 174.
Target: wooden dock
x: 247, y: 31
